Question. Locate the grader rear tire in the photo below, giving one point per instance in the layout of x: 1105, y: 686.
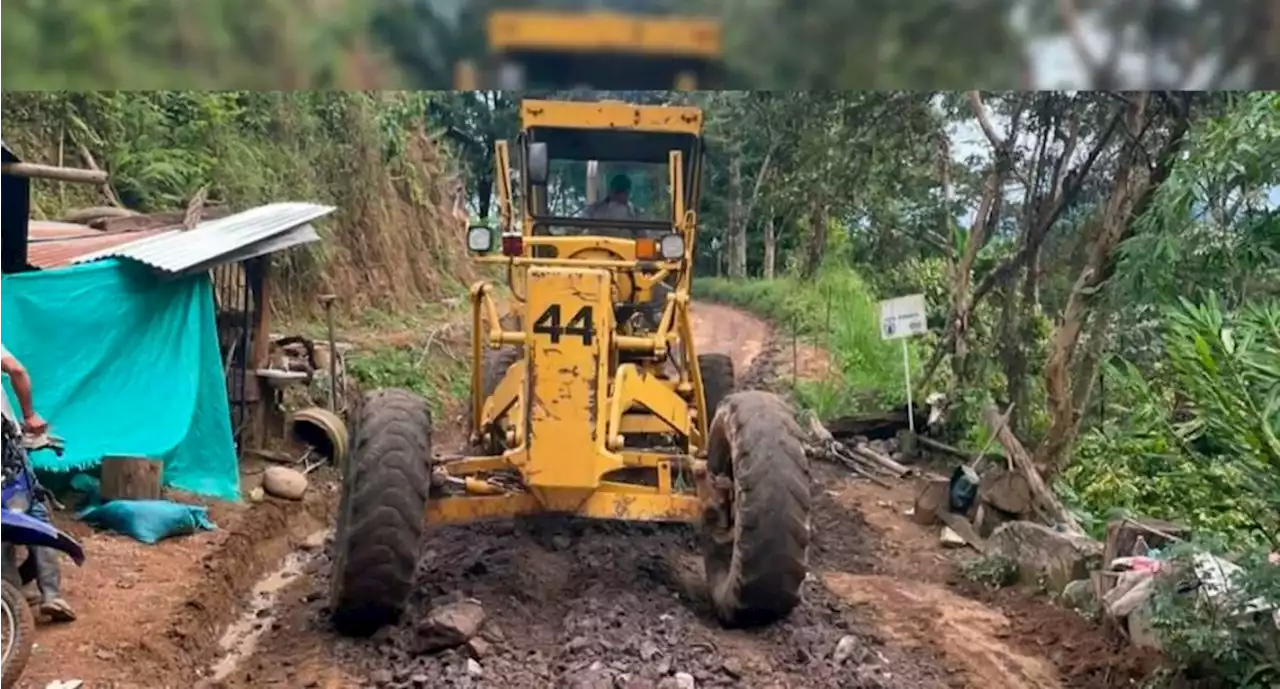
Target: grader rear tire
x: 718, y: 379
x: 756, y: 530
x: 494, y: 366
x: 380, y: 519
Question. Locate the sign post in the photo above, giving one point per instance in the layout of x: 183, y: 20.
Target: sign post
x: 901, y: 318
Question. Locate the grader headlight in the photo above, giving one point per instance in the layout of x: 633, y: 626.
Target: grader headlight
x: 480, y: 239
x: 672, y: 247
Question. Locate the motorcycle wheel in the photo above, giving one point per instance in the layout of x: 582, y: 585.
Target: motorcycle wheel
x: 17, y: 634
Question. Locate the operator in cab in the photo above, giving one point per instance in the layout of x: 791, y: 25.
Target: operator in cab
x: 617, y: 204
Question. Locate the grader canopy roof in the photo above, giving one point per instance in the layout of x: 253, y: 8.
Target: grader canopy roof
x: 640, y: 137
x: 603, y: 32
x: 612, y: 131
x: 612, y: 145
x: 646, y: 48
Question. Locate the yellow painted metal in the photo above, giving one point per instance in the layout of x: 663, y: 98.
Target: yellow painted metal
x: 631, y: 459
x: 594, y: 32
x: 633, y: 387
x: 564, y: 417
x: 466, y: 76
x: 603, y: 504
x: 568, y: 373
x: 502, y: 165
x: 611, y: 115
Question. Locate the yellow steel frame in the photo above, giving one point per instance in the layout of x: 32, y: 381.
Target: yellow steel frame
x: 594, y: 32
x: 561, y: 416
x: 659, y: 119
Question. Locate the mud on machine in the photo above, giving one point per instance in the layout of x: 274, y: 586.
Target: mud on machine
x: 589, y: 399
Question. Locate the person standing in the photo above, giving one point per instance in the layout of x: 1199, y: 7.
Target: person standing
x: 48, y: 573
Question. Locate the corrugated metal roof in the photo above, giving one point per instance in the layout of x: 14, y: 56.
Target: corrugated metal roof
x: 225, y: 240
x: 59, y: 251
x: 56, y: 229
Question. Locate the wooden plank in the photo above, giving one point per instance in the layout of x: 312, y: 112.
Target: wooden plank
x: 53, y: 172
x: 964, y: 529
x: 932, y: 500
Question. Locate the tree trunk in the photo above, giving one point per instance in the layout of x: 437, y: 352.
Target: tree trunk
x: 1069, y: 379
x: 1043, y: 501
x: 984, y: 224
x: 770, y: 246
x: 817, y: 238
x: 484, y: 194
x: 962, y: 273
x: 737, y: 221
x: 130, y: 478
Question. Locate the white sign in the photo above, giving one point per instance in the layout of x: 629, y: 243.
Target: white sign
x: 902, y: 317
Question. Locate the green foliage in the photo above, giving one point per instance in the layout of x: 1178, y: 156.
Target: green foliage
x: 193, y: 44
x: 817, y: 45
x: 1211, y: 225
x: 361, y: 152
x: 991, y: 571
x: 1231, y: 639
x: 441, y: 380
x: 1197, y: 441
x: 836, y: 311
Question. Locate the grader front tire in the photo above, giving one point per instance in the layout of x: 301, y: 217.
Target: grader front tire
x: 380, y: 519
x: 756, y: 530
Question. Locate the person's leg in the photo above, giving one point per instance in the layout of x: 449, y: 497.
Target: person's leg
x: 27, y: 575
x: 49, y: 574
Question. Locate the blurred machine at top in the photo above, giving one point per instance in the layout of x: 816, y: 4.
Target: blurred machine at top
x: 593, y: 49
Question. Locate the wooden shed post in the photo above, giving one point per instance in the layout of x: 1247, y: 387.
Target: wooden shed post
x: 258, y: 272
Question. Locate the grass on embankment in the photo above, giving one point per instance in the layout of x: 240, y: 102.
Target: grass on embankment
x: 426, y: 350
x: 867, y: 371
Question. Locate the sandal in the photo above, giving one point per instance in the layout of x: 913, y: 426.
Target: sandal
x: 58, y: 610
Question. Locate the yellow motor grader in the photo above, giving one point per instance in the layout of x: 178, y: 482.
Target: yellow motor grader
x: 592, y: 401
x: 564, y: 49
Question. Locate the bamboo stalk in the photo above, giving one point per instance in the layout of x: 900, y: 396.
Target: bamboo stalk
x: 63, y: 174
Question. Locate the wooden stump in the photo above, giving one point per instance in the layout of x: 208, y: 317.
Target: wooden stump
x: 131, y: 478
x: 988, y: 518
x: 1008, y: 491
x: 907, y: 445
x: 932, y: 499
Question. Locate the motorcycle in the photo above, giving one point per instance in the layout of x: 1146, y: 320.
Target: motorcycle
x: 20, y: 491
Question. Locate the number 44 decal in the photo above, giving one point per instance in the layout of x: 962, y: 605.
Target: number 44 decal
x: 581, y: 325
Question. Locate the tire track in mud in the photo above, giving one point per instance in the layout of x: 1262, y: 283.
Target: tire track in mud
x: 577, y: 603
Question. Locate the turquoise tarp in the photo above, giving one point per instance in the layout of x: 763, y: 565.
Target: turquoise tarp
x: 125, y: 363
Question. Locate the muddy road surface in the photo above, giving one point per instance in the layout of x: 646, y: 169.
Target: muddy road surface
x: 593, y: 605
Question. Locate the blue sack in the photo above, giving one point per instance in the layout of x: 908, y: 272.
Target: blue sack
x: 148, y: 521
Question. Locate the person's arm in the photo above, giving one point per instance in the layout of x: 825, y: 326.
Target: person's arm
x: 21, y: 382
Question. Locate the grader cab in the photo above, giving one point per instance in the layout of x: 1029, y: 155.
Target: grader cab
x: 592, y: 401
x: 565, y: 49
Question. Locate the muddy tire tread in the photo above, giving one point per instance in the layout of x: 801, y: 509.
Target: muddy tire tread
x: 757, y: 578
x: 494, y: 366
x: 719, y: 379
x: 25, y: 622
x: 381, y: 518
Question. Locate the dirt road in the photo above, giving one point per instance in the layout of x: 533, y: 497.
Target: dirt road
x: 594, y: 605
